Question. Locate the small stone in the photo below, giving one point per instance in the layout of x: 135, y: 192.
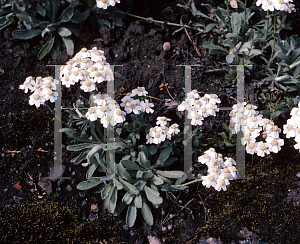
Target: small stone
x: 170, y: 227
x: 153, y: 240
x: 163, y: 228
x: 46, y: 185
x: 94, y: 208
x: 69, y: 188
x: 167, y: 46
x: 118, y: 75
x: 298, y: 174
x: 17, y: 199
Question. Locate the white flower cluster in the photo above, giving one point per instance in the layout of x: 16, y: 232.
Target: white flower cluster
x: 199, y: 107
x: 43, y: 89
x: 89, y: 67
x: 160, y: 132
x: 292, y: 127
x: 219, y: 171
x: 135, y: 105
x: 105, y: 3
x: 281, y: 5
x: 252, y: 124
x: 109, y: 111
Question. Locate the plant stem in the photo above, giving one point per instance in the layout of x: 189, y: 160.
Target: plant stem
x: 273, y: 42
x: 266, y: 33
x: 150, y: 19
x: 191, y: 182
x: 52, y: 111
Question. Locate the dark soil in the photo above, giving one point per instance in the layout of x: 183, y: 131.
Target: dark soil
x: 26, y: 137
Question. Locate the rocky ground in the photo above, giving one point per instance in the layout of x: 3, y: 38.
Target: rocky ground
x: 26, y: 138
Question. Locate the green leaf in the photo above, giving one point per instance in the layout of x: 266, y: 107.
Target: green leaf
x: 117, y: 184
x: 180, y: 180
x: 139, y: 174
x: 26, y: 34
x: 143, y: 161
x: 55, y: 52
x: 113, y: 200
x: 79, y: 159
x: 62, y: 31
x: 69, y: 45
x: 40, y: 10
x: 211, y: 46
x: 229, y: 58
x: 157, y: 180
x: 105, y: 191
x: 55, y: 7
x: 119, y: 208
x: 46, y: 48
x: 163, y: 156
x: 79, y: 17
x: 67, y: 14
x: 131, y: 215
x: 168, y: 162
x: 123, y: 173
x: 94, y: 150
x: 88, y: 184
x: 130, y: 165
x: 147, y: 214
x: 143, y: 148
x: 152, y: 195
x: 129, y: 187
x: 127, y: 198
x: 209, y: 27
x: 138, y: 201
x: 170, y: 174
x: 106, y: 203
x: 79, y: 147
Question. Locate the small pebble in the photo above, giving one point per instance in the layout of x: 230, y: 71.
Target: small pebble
x: 167, y: 46
x: 170, y: 227
x: 163, y: 228
x: 69, y: 188
x: 94, y: 208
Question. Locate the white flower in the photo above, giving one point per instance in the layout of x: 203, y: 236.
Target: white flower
x: 211, y: 152
x: 289, y: 129
x: 66, y: 81
x: 158, y: 137
x: 132, y: 107
x: 204, y: 159
x: 196, y: 119
x: 97, y: 77
x: 148, y: 106
x: 119, y: 116
x: 98, y: 56
x: 36, y: 99
x: 209, y: 181
x: 214, y: 99
x: 251, y: 147
x: 162, y: 120
x: 149, y: 139
x: 262, y: 149
x: 140, y: 91
x: 229, y: 162
x: 87, y: 86
x: 107, y: 73
x: 49, y: 83
x: 49, y: 94
x: 214, y: 171
x: 233, y: 172
x: 28, y: 84
x: 173, y: 129
x: 100, y: 99
x: 274, y: 144
x: 273, y: 131
x: 212, y: 109
x: 91, y: 114
x: 181, y: 107
x: 105, y: 3
x: 222, y: 182
x: 106, y: 120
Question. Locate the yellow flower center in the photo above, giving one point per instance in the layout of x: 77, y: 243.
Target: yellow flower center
x: 197, y: 102
x: 248, y: 107
x: 232, y: 125
x: 97, y: 73
x: 50, y: 92
x: 83, y: 49
x: 289, y: 127
x: 213, y: 96
x: 274, y: 128
x: 266, y: 121
x: 157, y: 135
x: 214, y: 169
x: 153, y: 129
x: 254, y: 119
x: 298, y: 112
x: 203, y: 110
x: 210, y: 178
x: 233, y: 115
x: 196, y: 116
x: 140, y: 89
x: 251, y: 145
x: 270, y: 2
x: 91, y: 111
x: 274, y: 142
x: 66, y: 77
x: 205, y: 156
x: 132, y: 106
x: 221, y: 182
x: 281, y: 1
x: 47, y: 85
x: 212, y: 149
x: 298, y: 131
x: 204, y: 98
x: 262, y: 147
x: 87, y: 83
x: 148, y: 105
x: 245, y: 117
x: 36, y: 96
x: 247, y: 137
x: 84, y: 72
x: 119, y: 112
x: 92, y: 68
x: 25, y: 83
x: 225, y: 170
x: 75, y: 73
x: 50, y: 78
x: 37, y: 86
